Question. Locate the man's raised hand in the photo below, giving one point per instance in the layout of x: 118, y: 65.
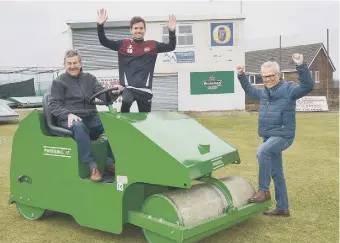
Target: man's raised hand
x: 172, y: 22
x: 240, y: 69
x: 297, y: 58
x: 102, y: 16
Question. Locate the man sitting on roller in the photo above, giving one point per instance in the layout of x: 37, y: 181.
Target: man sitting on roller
x: 70, y: 93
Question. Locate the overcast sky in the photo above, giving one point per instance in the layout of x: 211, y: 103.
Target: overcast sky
x: 32, y: 32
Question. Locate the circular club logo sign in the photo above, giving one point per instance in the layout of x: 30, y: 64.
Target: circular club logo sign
x: 221, y: 34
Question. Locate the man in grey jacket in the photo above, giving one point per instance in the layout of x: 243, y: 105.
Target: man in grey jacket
x: 70, y: 93
x: 277, y: 124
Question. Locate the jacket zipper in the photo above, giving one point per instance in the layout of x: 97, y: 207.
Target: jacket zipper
x: 83, y: 94
x: 267, y: 104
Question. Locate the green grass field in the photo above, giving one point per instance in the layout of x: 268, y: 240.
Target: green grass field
x: 311, y: 170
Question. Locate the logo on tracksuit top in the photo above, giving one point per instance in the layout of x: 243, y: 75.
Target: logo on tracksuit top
x: 129, y: 49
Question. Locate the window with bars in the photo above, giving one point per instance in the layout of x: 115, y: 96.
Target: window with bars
x: 183, y: 33
x: 257, y: 78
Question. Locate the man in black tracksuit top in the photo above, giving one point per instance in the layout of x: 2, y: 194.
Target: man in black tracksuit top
x: 136, y: 58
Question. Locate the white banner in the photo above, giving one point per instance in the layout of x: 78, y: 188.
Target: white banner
x: 312, y: 103
x: 108, y: 82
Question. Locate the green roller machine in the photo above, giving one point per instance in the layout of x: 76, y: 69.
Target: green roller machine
x: 163, y: 181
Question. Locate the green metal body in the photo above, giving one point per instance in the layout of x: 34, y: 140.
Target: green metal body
x: 164, y: 226
x: 155, y: 152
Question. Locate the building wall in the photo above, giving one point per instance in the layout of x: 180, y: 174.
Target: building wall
x: 321, y: 65
x: 292, y: 76
x: 207, y: 58
x: 214, y: 94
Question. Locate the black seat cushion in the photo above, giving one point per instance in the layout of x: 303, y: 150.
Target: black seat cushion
x: 51, y: 120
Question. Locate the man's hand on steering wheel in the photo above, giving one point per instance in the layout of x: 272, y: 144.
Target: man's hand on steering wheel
x: 111, y: 95
x: 120, y: 89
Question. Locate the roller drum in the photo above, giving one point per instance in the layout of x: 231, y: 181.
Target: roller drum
x: 202, y: 202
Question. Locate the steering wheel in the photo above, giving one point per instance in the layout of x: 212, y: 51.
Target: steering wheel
x: 109, y: 97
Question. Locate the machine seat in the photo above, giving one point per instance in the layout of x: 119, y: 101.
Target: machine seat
x: 51, y: 120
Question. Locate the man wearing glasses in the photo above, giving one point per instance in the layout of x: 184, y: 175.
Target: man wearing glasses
x: 276, y: 126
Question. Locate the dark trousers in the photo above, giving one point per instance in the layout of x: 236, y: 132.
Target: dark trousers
x: 83, y: 131
x: 142, y: 98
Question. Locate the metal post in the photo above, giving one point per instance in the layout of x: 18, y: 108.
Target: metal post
x: 327, y: 63
x: 280, y: 54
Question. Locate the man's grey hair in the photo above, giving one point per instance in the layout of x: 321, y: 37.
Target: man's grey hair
x: 72, y: 53
x: 269, y: 64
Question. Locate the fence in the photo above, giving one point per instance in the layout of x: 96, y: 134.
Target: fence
x: 43, y: 76
x: 42, y: 87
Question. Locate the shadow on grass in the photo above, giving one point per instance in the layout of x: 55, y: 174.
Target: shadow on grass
x: 4, y: 123
x: 65, y: 222
x: 132, y: 233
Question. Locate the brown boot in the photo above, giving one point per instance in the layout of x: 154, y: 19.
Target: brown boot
x: 260, y: 196
x: 110, y: 168
x: 95, y: 175
x: 276, y: 212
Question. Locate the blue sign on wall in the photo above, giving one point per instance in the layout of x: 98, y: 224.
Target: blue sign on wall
x: 221, y: 34
x: 179, y: 57
x: 185, y: 57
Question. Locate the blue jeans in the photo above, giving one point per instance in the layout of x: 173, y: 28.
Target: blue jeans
x: 82, y: 133
x: 269, y: 155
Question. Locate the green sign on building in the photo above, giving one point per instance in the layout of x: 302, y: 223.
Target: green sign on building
x: 219, y: 82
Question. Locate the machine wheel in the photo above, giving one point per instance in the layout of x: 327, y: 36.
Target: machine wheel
x: 190, y: 207
x: 29, y: 212
x: 160, y: 206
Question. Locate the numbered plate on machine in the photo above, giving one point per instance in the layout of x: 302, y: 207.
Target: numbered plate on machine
x: 121, y: 180
x: 120, y: 186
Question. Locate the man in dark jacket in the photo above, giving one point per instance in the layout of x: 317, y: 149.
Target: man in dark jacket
x: 70, y: 93
x: 277, y: 124
x: 137, y: 58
